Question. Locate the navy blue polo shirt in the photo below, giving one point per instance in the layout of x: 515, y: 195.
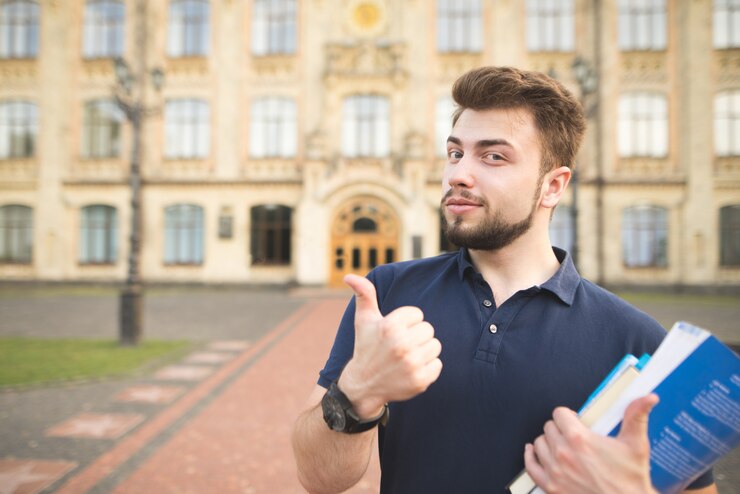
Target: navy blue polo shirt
x: 504, y: 368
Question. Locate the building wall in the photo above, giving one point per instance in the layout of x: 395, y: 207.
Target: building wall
x: 340, y: 53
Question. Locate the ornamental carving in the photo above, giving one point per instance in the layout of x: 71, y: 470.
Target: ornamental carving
x: 18, y: 171
x: 645, y: 168
x: 272, y: 171
x: 727, y: 66
x: 644, y: 67
x: 727, y: 167
x: 365, y: 60
x: 113, y: 170
x: 17, y: 70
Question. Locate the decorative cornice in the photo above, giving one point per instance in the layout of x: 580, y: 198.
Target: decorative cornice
x: 366, y: 60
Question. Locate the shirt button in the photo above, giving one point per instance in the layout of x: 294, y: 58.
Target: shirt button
x: 492, y: 328
x: 487, y: 303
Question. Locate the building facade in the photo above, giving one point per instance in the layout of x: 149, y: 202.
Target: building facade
x: 294, y: 141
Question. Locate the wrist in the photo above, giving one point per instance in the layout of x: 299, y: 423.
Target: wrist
x: 364, y: 404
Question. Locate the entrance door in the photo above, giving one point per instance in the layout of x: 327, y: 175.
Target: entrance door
x: 364, y: 235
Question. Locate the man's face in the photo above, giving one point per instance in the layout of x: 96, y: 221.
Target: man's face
x: 492, y: 180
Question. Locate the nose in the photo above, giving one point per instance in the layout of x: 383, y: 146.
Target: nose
x: 459, y: 174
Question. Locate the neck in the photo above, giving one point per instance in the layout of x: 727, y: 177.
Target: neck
x: 524, y: 263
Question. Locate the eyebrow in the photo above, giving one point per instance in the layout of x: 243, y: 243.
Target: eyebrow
x: 483, y: 143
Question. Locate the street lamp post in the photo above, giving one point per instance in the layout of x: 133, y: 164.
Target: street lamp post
x: 587, y: 80
x: 130, y: 101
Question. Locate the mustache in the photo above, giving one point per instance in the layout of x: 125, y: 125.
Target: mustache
x: 464, y: 194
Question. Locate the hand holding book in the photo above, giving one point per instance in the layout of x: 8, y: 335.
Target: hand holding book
x: 613, y: 465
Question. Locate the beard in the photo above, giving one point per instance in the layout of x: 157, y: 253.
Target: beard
x: 492, y: 233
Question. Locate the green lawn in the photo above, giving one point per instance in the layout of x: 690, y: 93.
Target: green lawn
x: 26, y: 361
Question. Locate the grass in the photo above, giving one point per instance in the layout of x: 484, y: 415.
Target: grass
x: 27, y: 361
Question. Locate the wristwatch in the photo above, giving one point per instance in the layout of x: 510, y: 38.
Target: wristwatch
x: 340, y: 416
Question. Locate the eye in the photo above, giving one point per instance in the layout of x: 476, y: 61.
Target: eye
x: 454, y: 155
x: 494, y: 157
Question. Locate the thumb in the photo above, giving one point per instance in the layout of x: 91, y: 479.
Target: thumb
x: 366, y: 299
x: 635, y: 423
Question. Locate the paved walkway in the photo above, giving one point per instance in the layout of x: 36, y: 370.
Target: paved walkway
x: 218, y: 421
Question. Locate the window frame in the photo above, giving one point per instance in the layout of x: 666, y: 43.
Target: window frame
x: 725, y: 13
x: 727, y: 123
x: 189, y: 28
x: 271, y: 238
x: 274, y: 27
x: 103, y: 32
x: 550, y: 26
x: 101, y: 136
x: 184, y: 225
x: 16, y: 234
x: 641, y: 225
x: 19, y: 29
x: 273, y: 128
x: 18, y: 115
x: 187, y: 128
x: 95, y: 231
x: 366, y: 126
x: 459, y: 26
x: 643, y: 125
x: 642, y: 25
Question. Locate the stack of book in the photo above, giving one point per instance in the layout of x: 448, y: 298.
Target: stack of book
x: 697, y: 420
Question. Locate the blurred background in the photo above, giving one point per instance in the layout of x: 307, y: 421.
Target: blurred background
x: 290, y: 142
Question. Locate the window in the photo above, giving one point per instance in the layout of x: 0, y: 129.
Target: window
x: 561, y: 228
x: 103, y: 30
x: 187, y: 129
x: 101, y: 129
x: 16, y: 234
x: 19, y: 29
x: 183, y: 240
x: 98, y: 235
x: 366, y: 128
x: 271, y: 234
x: 459, y: 26
x: 726, y: 29
x: 642, y: 25
x: 550, y: 25
x: 18, y: 126
x: 727, y: 123
x: 729, y: 233
x: 274, y: 27
x: 443, y: 124
x: 189, y: 28
x: 645, y: 236
x: 273, y: 128
x: 643, y: 125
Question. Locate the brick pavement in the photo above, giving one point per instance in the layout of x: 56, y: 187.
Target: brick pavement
x: 218, y: 421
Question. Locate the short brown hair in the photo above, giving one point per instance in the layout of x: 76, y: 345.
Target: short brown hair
x: 557, y: 114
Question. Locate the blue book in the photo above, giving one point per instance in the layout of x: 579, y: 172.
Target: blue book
x: 697, y: 420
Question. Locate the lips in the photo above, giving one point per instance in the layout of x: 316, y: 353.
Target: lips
x: 458, y: 205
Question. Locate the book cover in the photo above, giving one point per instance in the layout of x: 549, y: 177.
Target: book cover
x: 697, y: 420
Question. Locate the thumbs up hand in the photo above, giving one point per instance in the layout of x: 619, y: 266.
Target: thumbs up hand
x: 395, y: 357
x: 570, y: 458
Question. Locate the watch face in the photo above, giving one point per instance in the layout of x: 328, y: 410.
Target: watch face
x: 333, y: 413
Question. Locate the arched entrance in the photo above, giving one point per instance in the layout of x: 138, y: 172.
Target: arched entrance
x: 364, y: 234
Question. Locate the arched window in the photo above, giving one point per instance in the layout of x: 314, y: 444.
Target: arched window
x: 183, y: 242
x: 189, y: 28
x: 271, y: 234
x: 364, y: 225
x: 98, y: 235
x: 727, y: 122
x: 273, y: 128
x: 645, y: 236
x: 366, y: 126
x: 19, y: 29
x: 274, y: 27
x: 729, y: 234
x: 16, y: 234
x: 103, y: 32
x: 187, y: 129
x: 643, y: 125
x: 101, y: 129
x: 18, y: 127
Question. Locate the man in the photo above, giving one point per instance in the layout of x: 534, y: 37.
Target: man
x: 470, y: 352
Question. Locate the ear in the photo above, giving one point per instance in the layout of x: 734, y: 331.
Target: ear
x: 554, y: 185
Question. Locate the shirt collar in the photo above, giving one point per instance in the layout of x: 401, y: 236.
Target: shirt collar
x: 562, y: 284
